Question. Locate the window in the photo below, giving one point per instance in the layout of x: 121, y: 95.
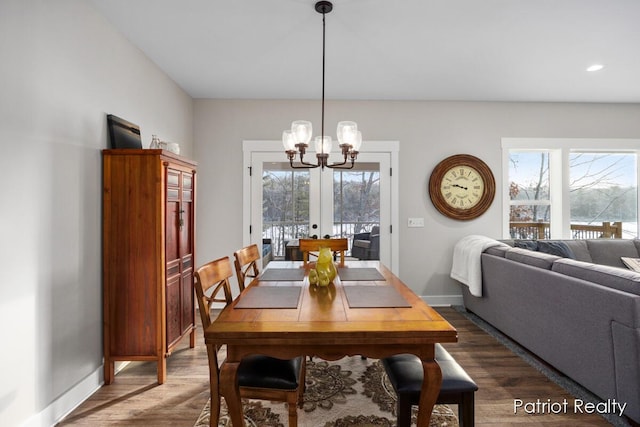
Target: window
x: 530, y: 201
x: 285, y: 204
x: 603, y: 190
x: 356, y: 199
x: 580, y: 189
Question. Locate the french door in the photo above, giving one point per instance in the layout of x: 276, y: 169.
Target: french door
x: 286, y: 204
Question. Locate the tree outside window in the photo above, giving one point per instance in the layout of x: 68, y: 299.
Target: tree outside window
x: 356, y: 201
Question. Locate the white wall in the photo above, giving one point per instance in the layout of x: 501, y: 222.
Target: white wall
x: 428, y: 132
x: 63, y: 68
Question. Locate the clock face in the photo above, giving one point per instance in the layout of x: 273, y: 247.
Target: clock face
x: 462, y: 187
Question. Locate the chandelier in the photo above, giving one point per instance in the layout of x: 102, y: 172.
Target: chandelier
x: 296, y: 140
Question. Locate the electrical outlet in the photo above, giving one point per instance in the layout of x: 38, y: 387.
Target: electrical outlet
x: 415, y: 222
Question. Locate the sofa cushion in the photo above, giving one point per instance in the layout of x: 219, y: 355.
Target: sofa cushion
x: 560, y: 249
x: 532, y: 245
x: 362, y: 243
x: 611, y: 277
x: 609, y: 251
x: 497, y: 250
x: 536, y: 259
x: 579, y: 248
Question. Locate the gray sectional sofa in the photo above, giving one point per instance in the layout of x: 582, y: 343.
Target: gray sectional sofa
x: 579, y: 312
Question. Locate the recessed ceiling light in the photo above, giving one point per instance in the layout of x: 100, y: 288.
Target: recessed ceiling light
x: 595, y: 67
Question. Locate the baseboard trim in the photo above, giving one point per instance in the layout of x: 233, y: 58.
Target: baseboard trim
x: 66, y: 403
x: 442, y: 300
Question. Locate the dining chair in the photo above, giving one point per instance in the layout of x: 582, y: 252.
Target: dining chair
x: 310, y: 246
x: 246, y: 263
x: 259, y: 377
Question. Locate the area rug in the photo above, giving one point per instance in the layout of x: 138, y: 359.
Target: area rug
x: 351, y: 392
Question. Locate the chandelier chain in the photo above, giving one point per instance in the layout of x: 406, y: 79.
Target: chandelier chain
x: 323, y: 62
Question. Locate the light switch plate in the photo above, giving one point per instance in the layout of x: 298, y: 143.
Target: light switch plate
x: 415, y: 222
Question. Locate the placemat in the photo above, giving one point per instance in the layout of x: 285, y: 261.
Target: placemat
x: 350, y: 273
x: 362, y: 296
x: 282, y: 275
x: 270, y: 297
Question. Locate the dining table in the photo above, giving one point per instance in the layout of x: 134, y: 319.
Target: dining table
x: 366, y: 310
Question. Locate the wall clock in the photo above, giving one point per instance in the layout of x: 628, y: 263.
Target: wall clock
x: 462, y: 187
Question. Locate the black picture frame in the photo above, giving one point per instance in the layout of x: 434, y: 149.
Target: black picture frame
x: 122, y: 133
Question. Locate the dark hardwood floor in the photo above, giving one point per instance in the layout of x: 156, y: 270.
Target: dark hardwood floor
x: 135, y: 399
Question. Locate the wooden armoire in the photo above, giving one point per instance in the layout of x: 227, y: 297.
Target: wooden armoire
x: 148, y: 254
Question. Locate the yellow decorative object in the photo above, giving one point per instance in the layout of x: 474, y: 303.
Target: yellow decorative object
x: 332, y: 271
x: 323, y: 278
x: 325, y: 266
x: 313, y: 276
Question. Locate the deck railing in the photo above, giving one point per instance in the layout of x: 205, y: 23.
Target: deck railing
x: 540, y: 230
x: 280, y: 232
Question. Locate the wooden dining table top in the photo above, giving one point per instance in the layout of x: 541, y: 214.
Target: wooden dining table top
x: 326, y: 317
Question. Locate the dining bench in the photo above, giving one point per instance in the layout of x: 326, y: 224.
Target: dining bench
x: 406, y: 373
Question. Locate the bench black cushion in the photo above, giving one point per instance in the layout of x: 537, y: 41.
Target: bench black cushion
x: 406, y: 374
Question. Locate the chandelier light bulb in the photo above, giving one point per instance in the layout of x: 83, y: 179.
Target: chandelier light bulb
x: 323, y: 144
x: 346, y: 132
x: 288, y: 140
x: 302, y: 130
x: 357, y: 142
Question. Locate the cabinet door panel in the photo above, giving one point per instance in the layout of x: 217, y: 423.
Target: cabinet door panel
x: 186, y: 246
x: 187, y: 300
x: 171, y: 233
x: 174, y: 310
x: 173, y: 215
x: 186, y: 215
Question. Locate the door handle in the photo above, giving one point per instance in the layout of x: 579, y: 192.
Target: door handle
x: 180, y: 220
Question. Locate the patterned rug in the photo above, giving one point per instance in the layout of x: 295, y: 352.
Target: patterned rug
x: 351, y: 392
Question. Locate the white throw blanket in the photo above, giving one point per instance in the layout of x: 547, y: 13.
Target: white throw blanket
x: 466, y: 266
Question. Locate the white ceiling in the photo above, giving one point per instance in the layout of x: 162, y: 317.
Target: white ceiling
x: 495, y: 50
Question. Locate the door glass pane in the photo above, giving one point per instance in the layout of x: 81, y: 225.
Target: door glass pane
x: 356, y: 206
x: 529, y: 194
x: 285, y: 205
x: 603, y: 195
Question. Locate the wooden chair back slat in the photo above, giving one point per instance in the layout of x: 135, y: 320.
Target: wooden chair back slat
x: 213, y: 275
x: 308, y: 246
x: 246, y: 263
